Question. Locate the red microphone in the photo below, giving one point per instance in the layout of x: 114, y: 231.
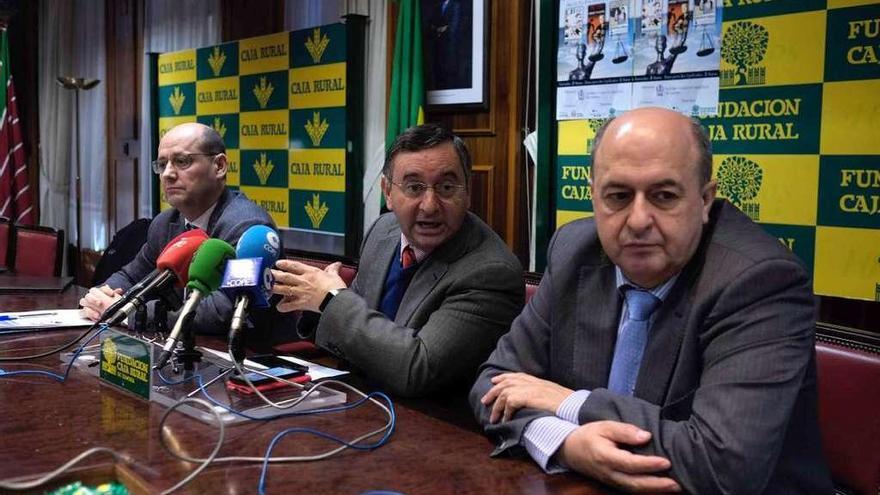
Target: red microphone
x: 172, y: 267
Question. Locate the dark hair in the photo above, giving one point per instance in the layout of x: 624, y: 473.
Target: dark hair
x: 211, y: 142
x: 426, y: 136
x: 701, y: 138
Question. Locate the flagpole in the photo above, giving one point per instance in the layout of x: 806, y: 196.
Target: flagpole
x: 77, y: 84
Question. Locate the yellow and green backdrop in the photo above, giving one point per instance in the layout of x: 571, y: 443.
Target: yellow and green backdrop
x: 286, y: 105
x: 796, y: 138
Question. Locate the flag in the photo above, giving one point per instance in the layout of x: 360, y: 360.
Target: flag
x: 407, y: 101
x: 16, y: 200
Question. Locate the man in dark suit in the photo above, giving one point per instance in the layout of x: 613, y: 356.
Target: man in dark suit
x: 435, y: 288
x: 669, y: 346
x: 192, y: 168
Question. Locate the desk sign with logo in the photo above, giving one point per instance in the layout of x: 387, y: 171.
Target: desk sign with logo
x: 125, y: 363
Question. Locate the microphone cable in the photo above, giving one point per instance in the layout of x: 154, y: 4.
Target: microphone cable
x: 6, y: 359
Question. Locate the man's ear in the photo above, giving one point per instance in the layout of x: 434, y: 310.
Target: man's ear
x: 221, y: 165
x: 386, y: 190
x: 708, y: 196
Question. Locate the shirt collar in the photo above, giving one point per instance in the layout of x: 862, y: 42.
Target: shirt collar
x: 203, y: 219
x: 404, y: 242
x: 659, y: 291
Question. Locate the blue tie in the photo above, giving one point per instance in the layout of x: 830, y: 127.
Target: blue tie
x: 631, y: 342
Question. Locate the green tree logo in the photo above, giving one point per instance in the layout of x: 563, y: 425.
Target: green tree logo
x: 744, y: 44
x: 594, y: 124
x: 739, y: 180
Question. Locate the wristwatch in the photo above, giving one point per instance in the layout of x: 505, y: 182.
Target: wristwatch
x: 329, y: 297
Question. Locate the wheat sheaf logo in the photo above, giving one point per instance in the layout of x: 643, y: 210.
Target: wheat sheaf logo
x: 108, y: 352
x: 316, y: 128
x: 316, y: 210
x: 263, y: 167
x: 263, y: 92
x: 219, y: 127
x: 216, y: 60
x: 744, y: 45
x: 317, y: 44
x: 739, y: 180
x: 176, y: 99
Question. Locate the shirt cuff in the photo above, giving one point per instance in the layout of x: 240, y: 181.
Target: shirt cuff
x: 571, y: 406
x: 543, y: 437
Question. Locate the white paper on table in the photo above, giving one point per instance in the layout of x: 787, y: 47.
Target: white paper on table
x: 44, y: 318
x: 316, y: 371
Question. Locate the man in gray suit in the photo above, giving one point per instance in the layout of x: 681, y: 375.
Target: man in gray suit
x: 192, y: 168
x: 435, y: 288
x: 669, y: 346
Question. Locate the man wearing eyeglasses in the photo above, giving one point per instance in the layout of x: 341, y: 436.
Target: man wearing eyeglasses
x: 435, y: 288
x: 192, y: 168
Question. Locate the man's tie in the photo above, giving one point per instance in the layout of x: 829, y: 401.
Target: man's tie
x: 407, y: 257
x: 402, y: 270
x: 189, y: 226
x: 631, y: 342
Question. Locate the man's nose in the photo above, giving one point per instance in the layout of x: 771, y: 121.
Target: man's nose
x: 168, y: 173
x: 641, y: 215
x: 429, y: 202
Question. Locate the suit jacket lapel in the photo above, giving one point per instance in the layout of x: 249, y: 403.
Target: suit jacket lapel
x: 598, y: 314
x: 433, y: 269
x: 662, y: 349
x: 371, y: 278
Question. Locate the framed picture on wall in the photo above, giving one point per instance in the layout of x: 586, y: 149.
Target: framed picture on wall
x: 454, y: 41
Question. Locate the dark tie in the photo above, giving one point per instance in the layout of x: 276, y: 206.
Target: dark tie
x: 631, y: 342
x: 399, y: 275
x: 189, y: 226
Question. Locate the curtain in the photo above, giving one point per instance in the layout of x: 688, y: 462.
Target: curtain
x: 71, y: 37
x: 170, y: 25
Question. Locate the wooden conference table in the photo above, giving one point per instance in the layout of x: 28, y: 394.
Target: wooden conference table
x: 436, y: 447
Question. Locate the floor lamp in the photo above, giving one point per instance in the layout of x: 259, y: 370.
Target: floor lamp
x: 77, y: 84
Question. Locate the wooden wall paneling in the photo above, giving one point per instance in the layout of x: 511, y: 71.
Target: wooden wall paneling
x: 493, y: 135
x: 124, y: 35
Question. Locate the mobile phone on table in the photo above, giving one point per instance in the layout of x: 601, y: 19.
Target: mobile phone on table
x: 273, y: 361
x: 263, y: 384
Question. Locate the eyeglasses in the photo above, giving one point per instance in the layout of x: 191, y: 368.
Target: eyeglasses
x: 414, y: 189
x: 180, y: 162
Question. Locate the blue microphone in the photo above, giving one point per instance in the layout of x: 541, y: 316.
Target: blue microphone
x: 248, y: 278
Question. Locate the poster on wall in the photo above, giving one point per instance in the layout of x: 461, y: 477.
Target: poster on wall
x: 793, y: 134
x: 279, y: 103
x: 616, y: 55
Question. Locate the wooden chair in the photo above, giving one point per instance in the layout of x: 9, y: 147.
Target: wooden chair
x: 38, y: 251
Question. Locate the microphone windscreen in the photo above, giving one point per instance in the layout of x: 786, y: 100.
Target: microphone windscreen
x: 259, y: 241
x: 206, y: 269
x: 178, y: 253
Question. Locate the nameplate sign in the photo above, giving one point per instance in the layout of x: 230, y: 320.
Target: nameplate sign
x: 125, y: 363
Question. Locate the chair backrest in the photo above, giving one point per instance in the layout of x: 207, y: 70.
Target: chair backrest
x: 5, y: 242
x: 122, y: 249
x: 848, y: 364
x: 38, y: 250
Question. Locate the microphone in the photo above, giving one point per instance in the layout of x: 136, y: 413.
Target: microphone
x: 205, y: 274
x: 248, y: 279
x: 171, y: 267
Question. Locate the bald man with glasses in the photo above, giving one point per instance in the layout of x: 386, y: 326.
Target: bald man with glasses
x: 192, y: 167
x: 435, y: 287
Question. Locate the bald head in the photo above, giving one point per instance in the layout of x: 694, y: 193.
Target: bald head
x: 679, y: 129
x: 203, y: 139
x: 193, y: 168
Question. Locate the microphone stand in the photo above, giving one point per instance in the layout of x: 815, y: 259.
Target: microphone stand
x: 188, y: 355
